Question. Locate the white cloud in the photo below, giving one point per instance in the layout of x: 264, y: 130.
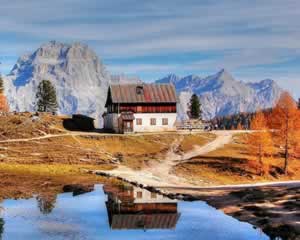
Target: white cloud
x: 245, y: 33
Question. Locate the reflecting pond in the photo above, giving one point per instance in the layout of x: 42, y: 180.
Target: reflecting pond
x: 118, y: 212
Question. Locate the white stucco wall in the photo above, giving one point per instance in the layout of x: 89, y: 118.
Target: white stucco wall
x: 147, y: 197
x: 111, y: 122
x: 147, y: 127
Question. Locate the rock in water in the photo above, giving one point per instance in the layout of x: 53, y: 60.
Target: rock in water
x: 80, y: 79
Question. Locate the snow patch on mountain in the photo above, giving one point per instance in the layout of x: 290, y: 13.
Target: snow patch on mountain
x: 221, y: 94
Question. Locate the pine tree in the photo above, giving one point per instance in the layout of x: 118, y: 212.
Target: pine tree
x: 299, y: 103
x: 195, y: 107
x: 46, y: 97
x: 1, y: 85
x: 1, y: 227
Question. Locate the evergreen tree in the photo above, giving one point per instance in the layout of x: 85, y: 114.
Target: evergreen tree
x: 46, y: 97
x: 1, y: 227
x: 195, y: 107
x: 299, y: 103
x: 1, y: 85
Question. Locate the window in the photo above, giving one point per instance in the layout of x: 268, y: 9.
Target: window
x: 139, y: 194
x: 139, y: 121
x: 152, y: 121
x: 153, y: 195
x: 164, y: 121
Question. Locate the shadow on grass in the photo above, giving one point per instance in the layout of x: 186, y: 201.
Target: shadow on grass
x: 84, y: 125
x: 223, y: 164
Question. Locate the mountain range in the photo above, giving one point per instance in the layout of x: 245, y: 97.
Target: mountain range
x: 81, y: 82
x: 80, y: 78
x: 220, y: 94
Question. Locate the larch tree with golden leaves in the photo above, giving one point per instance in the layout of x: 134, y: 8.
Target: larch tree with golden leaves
x: 3, y: 102
x: 286, y: 124
x: 260, y: 141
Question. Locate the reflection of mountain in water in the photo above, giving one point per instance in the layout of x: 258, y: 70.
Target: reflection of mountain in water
x: 130, y: 207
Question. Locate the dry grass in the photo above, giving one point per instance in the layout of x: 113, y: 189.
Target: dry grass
x: 49, y: 169
x: 67, y: 150
x: 199, y: 139
x: 233, y: 164
x: 23, y: 180
x: 25, y: 125
x: 133, y: 151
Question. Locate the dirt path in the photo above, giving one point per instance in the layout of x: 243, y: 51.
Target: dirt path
x: 160, y: 173
x: 50, y: 136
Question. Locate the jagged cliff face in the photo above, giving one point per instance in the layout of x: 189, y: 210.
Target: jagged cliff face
x: 81, y: 83
x: 80, y: 78
x: 221, y: 94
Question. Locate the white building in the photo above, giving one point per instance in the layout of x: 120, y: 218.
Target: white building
x: 140, y: 108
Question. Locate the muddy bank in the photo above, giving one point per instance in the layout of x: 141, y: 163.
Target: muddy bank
x: 24, y: 184
x: 275, y: 210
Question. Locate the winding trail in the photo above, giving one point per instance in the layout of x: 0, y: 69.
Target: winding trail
x: 160, y: 174
x: 72, y: 134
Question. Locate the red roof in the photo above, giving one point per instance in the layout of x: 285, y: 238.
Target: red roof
x: 150, y: 93
x: 144, y: 221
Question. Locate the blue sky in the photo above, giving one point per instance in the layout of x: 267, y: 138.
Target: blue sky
x: 252, y: 39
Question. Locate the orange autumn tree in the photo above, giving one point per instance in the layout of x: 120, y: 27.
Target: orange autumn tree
x: 286, y: 124
x: 3, y: 102
x: 260, y: 141
x: 239, y: 126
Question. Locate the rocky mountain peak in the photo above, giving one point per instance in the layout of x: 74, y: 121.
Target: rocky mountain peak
x: 80, y: 78
x: 81, y: 82
x: 222, y: 76
x: 221, y: 94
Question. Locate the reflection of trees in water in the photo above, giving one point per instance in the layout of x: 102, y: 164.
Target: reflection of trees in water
x: 1, y: 227
x: 46, y: 203
x: 282, y: 232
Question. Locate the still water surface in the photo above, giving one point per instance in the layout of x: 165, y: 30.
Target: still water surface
x: 111, y: 212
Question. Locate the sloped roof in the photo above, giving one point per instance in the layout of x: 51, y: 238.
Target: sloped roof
x: 144, y: 221
x: 152, y: 93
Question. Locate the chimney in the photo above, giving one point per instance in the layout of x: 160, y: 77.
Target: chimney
x: 140, y: 90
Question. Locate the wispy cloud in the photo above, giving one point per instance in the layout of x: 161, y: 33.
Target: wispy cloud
x: 245, y: 34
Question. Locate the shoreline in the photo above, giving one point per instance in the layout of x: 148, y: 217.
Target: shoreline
x: 254, y: 205
x: 264, y: 205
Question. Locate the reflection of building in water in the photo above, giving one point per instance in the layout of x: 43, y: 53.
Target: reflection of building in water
x: 46, y: 203
x: 130, y: 207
